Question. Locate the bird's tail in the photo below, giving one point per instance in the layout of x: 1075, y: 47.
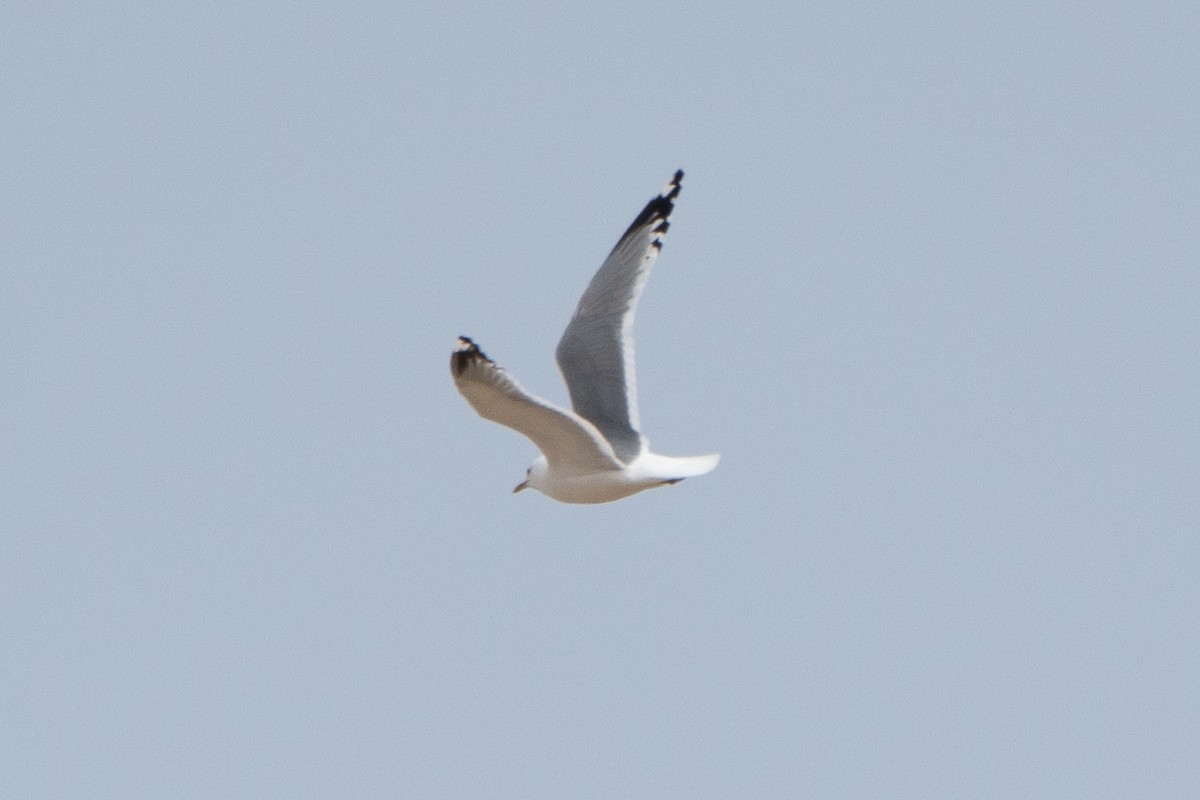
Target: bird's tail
x: 678, y: 468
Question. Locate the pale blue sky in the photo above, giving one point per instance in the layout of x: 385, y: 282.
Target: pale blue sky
x: 931, y: 289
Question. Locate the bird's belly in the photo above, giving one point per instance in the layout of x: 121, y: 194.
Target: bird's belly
x: 603, y: 487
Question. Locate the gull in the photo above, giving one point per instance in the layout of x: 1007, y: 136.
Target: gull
x: 596, y: 452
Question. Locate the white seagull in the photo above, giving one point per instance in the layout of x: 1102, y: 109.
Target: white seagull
x: 595, y: 453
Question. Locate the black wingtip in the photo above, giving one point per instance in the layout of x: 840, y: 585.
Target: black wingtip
x: 465, y: 353
x: 659, y: 209
x: 675, y: 184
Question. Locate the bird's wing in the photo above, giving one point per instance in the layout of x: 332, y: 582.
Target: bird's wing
x: 569, y: 442
x: 595, y: 353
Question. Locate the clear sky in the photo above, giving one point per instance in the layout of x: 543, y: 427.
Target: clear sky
x: 931, y: 289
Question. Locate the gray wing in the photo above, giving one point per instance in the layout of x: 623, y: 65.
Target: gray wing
x: 595, y: 353
x: 569, y: 443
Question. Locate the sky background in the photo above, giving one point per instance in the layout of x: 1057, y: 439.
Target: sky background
x: 931, y: 289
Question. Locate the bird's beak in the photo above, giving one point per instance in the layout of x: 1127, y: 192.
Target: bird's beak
x: 520, y: 486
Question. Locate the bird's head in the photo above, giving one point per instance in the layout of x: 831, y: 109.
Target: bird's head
x: 535, y: 476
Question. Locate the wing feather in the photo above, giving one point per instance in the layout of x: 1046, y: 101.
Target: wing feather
x: 595, y: 353
x: 569, y: 442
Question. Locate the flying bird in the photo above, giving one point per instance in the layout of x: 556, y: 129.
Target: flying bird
x: 596, y: 452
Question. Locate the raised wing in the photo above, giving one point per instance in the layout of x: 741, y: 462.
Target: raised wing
x: 569, y: 442
x: 595, y: 353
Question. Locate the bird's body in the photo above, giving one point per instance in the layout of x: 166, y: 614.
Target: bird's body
x: 596, y: 452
